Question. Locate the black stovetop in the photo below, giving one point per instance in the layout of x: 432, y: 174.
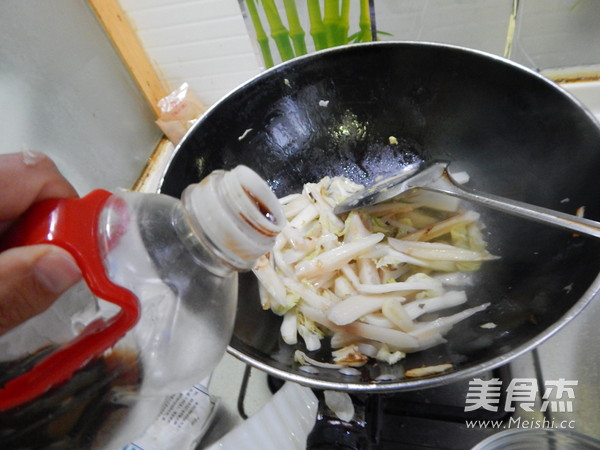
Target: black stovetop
x: 433, y: 418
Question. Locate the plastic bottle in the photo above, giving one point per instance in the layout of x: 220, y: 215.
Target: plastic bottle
x: 179, y: 258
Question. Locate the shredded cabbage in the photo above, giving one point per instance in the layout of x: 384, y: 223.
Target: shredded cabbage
x: 373, y: 278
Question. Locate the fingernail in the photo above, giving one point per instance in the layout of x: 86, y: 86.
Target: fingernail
x: 57, y: 271
x: 31, y: 157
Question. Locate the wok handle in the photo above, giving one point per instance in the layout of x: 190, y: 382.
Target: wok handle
x: 446, y: 185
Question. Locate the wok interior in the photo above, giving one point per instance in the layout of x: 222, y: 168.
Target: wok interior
x: 516, y: 135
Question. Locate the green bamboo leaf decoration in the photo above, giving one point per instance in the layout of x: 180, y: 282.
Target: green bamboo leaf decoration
x: 279, y: 32
x: 344, y: 26
x: 317, y: 28
x: 329, y: 25
x: 331, y: 19
x: 364, y: 22
x: 296, y: 31
x: 261, y: 35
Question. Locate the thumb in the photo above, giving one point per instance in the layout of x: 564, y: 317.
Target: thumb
x: 31, y: 279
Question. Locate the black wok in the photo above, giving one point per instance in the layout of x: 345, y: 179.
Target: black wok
x: 517, y: 134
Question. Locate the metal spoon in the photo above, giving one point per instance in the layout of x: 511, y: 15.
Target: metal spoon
x: 434, y: 177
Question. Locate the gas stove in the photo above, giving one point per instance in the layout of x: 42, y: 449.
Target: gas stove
x: 431, y: 418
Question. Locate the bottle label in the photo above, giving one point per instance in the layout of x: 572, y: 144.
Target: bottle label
x: 181, y: 423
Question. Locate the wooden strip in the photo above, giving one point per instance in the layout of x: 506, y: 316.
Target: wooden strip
x: 128, y: 45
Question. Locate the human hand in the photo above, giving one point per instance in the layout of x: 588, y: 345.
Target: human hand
x: 32, y: 277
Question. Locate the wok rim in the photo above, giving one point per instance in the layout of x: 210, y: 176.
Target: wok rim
x: 402, y: 384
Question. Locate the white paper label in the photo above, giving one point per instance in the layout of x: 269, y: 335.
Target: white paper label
x: 182, y: 421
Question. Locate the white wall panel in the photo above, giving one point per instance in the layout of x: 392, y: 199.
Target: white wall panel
x: 202, y: 42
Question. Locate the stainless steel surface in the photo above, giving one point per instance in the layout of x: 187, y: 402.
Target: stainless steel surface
x: 434, y: 177
x: 383, y: 190
x: 539, y: 439
x: 574, y: 354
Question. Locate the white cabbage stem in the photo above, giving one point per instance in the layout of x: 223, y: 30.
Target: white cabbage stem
x: 450, y: 299
x: 353, y: 308
x: 442, y: 227
x: 402, y: 341
x: 289, y: 327
x: 293, y: 204
x: 443, y: 324
x: 336, y: 258
x: 270, y: 280
x: 327, y: 218
x: 307, y: 215
x: 396, y: 313
x: 307, y: 293
x: 437, y: 251
x: 384, y: 254
x: 355, y: 228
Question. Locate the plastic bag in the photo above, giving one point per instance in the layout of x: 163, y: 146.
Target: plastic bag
x: 179, y: 111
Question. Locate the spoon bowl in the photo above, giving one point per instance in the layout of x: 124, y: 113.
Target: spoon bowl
x: 435, y: 177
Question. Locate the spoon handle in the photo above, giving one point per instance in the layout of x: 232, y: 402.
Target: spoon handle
x: 544, y: 215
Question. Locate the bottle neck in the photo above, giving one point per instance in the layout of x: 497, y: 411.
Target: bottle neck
x: 198, y: 244
x: 235, y: 214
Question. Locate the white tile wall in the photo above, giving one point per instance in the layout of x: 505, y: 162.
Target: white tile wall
x: 206, y: 43
x: 477, y: 24
x: 202, y: 42
x: 558, y: 33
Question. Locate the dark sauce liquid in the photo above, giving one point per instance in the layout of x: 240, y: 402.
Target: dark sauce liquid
x: 73, y: 415
x: 260, y: 206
